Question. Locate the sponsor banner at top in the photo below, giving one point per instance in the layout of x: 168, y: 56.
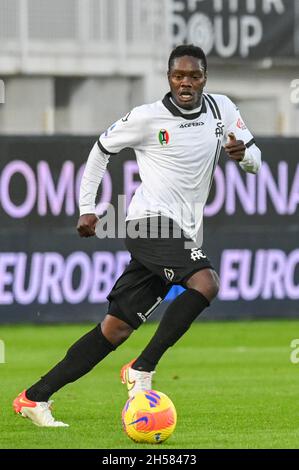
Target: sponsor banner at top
x: 244, y: 29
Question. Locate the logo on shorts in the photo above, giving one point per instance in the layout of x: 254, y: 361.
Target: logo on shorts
x: 197, y: 253
x: 169, y: 274
x: 163, y: 137
x: 145, y: 316
x: 140, y: 315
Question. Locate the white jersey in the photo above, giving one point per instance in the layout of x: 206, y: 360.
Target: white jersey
x: 176, y: 153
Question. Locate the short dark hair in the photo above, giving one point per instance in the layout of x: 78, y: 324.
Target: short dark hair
x: 187, y: 49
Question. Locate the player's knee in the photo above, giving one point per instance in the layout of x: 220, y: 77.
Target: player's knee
x: 215, y: 284
x: 214, y: 287
x: 206, y: 282
x: 115, y: 330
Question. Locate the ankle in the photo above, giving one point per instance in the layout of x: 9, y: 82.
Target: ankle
x: 143, y: 365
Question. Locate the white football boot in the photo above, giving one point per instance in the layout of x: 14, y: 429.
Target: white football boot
x: 135, y: 380
x: 39, y: 412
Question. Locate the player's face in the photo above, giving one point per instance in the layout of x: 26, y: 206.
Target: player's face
x: 187, y: 79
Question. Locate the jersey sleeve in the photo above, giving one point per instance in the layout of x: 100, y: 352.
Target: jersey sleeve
x: 92, y: 176
x: 235, y: 123
x: 126, y: 132
x: 251, y: 162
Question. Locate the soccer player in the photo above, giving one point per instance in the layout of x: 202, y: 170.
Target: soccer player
x: 177, y: 141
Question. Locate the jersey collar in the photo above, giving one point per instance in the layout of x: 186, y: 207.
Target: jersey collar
x: 176, y: 112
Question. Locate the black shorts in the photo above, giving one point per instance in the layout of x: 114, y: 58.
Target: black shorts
x: 156, y: 264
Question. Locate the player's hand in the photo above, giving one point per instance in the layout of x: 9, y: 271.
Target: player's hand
x: 86, y: 225
x: 235, y: 148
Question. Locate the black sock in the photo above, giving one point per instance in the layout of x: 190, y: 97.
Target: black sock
x: 81, y: 357
x: 176, y: 321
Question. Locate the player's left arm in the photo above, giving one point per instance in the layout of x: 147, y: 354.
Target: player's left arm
x: 240, y: 145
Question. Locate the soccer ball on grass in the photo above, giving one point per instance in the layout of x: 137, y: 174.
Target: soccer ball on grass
x: 149, y: 417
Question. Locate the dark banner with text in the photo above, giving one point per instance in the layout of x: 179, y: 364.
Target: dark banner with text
x: 49, y: 274
x: 246, y: 29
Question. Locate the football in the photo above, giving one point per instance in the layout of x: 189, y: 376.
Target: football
x: 149, y: 417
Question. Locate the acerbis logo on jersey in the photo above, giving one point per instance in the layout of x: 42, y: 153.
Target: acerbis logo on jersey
x: 191, y: 124
x: 163, y: 137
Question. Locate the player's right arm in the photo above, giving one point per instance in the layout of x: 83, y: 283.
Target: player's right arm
x: 237, y: 133
x: 93, y: 174
x: 127, y: 132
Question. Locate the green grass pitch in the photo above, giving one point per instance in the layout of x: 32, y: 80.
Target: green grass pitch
x: 232, y: 383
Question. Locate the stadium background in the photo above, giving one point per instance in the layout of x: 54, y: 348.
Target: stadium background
x: 72, y: 67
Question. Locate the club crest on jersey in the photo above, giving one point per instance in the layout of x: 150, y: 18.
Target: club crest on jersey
x: 219, y: 129
x: 163, y: 137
